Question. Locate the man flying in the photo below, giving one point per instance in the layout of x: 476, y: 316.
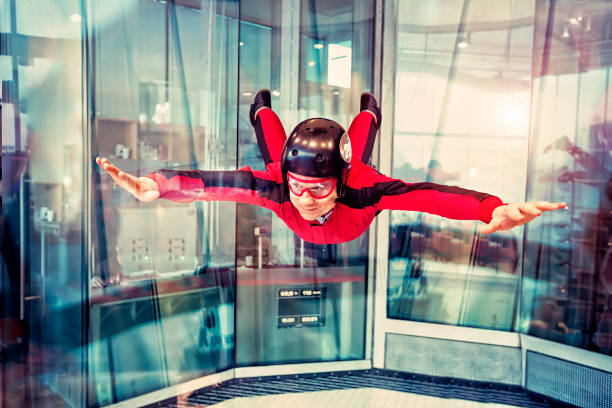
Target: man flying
x: 319, y: 183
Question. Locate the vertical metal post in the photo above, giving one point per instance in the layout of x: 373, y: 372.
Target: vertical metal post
x: 372, y: 235
x: 88, y: 254
x: 22, y: 248
x: 259, y: 251
x: 387, y: 92
x: 43, y: 266
x: 289, y: 74
x: 301, y: 253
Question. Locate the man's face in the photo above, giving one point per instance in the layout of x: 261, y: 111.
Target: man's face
x: 309, y: 207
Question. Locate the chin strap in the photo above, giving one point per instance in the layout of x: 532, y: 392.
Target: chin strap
x: 323, y: 219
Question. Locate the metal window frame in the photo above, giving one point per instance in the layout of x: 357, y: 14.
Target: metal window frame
x: 302, y: 368
x: 388, y: 58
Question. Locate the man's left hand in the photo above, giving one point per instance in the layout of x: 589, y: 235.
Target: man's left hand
x: 512, y: 215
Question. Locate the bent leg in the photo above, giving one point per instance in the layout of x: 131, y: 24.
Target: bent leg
x: 268, y: 127
x: 270, y: 134
x: 362, y: 134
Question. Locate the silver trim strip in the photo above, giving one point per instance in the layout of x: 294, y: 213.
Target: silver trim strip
x: 564, y: 352
x: 175, y: 390
x: 289, y: 369
x: 457, y: 333
x: 369, y: 323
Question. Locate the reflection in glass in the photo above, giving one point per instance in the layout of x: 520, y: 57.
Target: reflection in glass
x: 441, y: 270
x: 43, y: 245
x: 162, y: 297
x: 567, y: 284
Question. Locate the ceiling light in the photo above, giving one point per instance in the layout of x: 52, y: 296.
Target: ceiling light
x: 318, y: 46
x: 565, y: 33
x: 575, y: 20
x: 463, y: 40
x: 75, y: 18
x: 311, y: 63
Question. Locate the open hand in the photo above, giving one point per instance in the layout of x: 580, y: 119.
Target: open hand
x: 512, y: 215
x: 143, y: 188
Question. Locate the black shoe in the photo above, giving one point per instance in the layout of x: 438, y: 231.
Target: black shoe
x: 262, y: 100
x: 368, y: 102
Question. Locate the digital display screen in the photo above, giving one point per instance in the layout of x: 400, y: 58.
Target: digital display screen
x: 301, y: 307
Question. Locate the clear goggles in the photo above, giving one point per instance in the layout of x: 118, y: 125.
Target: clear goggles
x: 318, y: 188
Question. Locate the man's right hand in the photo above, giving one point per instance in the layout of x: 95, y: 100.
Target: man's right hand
x: 143, y: 188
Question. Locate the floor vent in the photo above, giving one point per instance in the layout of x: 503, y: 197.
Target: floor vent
x: 569, y: 382
x: 384, y: 379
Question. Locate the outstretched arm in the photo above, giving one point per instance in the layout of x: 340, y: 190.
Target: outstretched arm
x: 448, y: 201
x: 184, y: 186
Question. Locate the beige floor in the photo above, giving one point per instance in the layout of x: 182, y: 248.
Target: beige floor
x: 353, y: 398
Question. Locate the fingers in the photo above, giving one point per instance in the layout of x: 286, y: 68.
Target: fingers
x: 548, y: 206
x: 125, y: 180
x: 512, y: 215
x: 529, y: 208
x: 112, y: 170
x: 109, y: 168
x: 106, y: 165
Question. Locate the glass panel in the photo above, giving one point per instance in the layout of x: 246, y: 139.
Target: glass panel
x: 43, y: 287
x: 567, y: 285
x: 462, y: 115
x: 302, y: 302
x: 162, y: 290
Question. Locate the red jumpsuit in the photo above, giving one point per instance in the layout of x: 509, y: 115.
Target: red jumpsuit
x: 366, y: 194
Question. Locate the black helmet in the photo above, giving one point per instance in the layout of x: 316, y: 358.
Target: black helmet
x: 318, y: 147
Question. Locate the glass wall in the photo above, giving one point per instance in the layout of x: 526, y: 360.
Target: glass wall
x: 534, y: 69
x: 44, y: 284
x: 105, y: 297
x: 285, y: 47
x: 462, y: 93
x: 567, y: 284
x: 163, y: 95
